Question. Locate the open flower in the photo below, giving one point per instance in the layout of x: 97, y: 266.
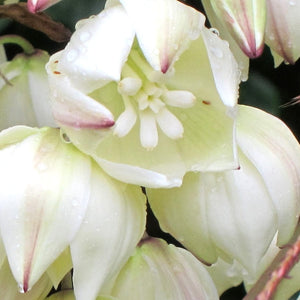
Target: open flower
x: 53, y: 196
x: 141, y: 78
x: 160, y: 271
x: 236, y: 214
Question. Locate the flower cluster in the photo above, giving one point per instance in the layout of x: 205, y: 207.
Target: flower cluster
x: 142, y: 95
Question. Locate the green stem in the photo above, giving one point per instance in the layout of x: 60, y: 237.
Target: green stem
x: 15, y: 39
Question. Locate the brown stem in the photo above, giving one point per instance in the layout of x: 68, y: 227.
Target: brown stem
x: 266, y: 286
x: 40, y: 21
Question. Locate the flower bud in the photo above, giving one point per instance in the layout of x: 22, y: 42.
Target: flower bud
x: 160, y: 271
x: 24, y: 91
x: 35, y: 6
x: 53, y: 196
x: 282, y: 34
x: 245, y: 21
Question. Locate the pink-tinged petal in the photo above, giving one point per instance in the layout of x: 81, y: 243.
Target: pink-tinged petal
x: 9, y: 289
x: 245, y: 20
x: 35, y: 6
x: 98, y: 49
x: 40, y: 217
x: 160, y: 271
x: 71, y: 107
x: 282, y: 29
x: 163, y: 28
x: 113, y: 225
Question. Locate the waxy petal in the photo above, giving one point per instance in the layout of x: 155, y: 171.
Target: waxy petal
x: 160, y: 271
x: 35, y: 6
x: 236, y: 214
x: 113, y: 225
x: 98, y: 49
x: 274, y: 151
x: 9, y: 289
x: 245, y: 20
x: 282, y: 34
x: 207, y: 145
x: 25, y: 92
x: 173, y: 25
x: 40, y: 218
x: 71, y: 107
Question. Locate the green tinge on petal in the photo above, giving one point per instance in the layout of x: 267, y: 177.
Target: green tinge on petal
x: 173, y: 25
x: 208, y: 70
x: 9, y: 288
x: 98, y: 49
x: 113, y: 225
x: 161, y: 271
x: 60, y: 267
x: 245, y: 20
x: 275, y: 152
x: 62, y: 295
x: 282, y: 34
x: 207, y: 145
x: 40, y: 218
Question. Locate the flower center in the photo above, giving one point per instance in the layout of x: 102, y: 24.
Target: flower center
x: 147, y: 98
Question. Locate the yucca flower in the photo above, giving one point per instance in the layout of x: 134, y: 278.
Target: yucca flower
x: 144, y: 77
x: 235, y: 215
x: 53, y: 197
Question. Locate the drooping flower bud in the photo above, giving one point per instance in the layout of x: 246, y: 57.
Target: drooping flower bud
x: 160, y: 271
x: 282, y: 34
x: 35, y: 6
x: 245, y: 21
x: 53, y: 196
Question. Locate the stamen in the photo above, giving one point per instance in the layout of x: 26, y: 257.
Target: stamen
x: 156, y: 104
x: 182, y: 99
x: 126, y: 120
x: 169, y: 124
x: 129, y: 86
x: 148, y: 130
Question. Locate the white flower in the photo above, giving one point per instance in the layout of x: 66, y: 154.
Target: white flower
x: 53, y: 196
x: 170, y: 83
x: 236, y: 214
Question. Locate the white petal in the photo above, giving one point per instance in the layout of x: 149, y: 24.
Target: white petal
x: 98, y: 48
x: 224, y: 67
x: 163, y: 29
x: 70, y: 106
x: 40, y: 217
x: 114, y: 224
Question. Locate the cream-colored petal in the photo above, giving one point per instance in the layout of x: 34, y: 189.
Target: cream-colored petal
x: 282, y: 34
x: 113, y: 225
x: 40, y: 217
x: 163, y: 28
x: 71, y: 107
x: 161, y: 271
x: 98, y: 49
x: 275, y: 152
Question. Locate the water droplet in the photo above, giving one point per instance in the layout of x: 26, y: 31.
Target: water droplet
x: 75, y: 203
x: 292, y: 2
x: 216, y: 52
x: 71, y: 55
x: 20, y: 288
x: 215, y: 31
